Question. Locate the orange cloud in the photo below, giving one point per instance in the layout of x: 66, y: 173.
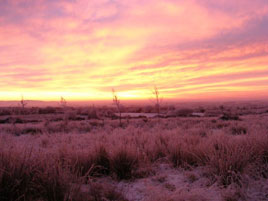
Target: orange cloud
x: 82, y: 49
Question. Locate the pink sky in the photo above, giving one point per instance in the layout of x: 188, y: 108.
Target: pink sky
x: 189, y: 49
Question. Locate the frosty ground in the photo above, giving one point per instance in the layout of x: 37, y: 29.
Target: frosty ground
x: 178, y: 158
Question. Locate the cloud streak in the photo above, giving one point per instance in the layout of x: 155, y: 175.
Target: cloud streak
x: 82, y: 48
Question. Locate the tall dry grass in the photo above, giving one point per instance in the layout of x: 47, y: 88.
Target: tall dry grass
x: 49, y: 172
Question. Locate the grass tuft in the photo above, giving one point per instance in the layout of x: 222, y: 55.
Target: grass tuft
x: 124, y: 163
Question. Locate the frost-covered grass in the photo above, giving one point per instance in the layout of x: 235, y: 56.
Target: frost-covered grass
x: 171, y: 159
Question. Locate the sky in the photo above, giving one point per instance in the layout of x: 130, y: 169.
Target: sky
x: 81, y: 49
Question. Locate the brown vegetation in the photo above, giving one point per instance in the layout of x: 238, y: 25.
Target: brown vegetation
x: 83, y: 160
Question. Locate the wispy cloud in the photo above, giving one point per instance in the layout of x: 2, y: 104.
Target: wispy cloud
x: 84, y: 48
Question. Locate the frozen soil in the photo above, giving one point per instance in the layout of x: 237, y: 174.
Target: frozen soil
x: 169, y: 183
x: 176, y: 184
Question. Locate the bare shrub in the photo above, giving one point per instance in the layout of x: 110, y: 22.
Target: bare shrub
x: 117, y: 103
x: 63, y: 102
x: 156, y: 93
x: 23, y: 104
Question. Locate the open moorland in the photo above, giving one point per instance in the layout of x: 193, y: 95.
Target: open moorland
x: 187, y: 152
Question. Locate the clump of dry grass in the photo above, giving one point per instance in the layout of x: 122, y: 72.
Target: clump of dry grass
x: 17, y: 174
x: 259, y: 168
x: 181, y: 157
x: 189, y: 151
x: 22, y: 177
x: 124, y: 162
x: 229, y: 158
x: 102, y: 161
x: 80, y: 163
x: 52, y: 182
x: 156, y: 148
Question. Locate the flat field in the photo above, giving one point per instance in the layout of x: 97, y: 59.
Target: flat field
x: 85, y: 154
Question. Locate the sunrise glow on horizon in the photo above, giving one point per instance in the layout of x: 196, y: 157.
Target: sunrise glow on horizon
x: 83, y: 49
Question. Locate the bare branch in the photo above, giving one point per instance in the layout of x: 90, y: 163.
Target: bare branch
x: 22, y: 102
x: 116, y: 102
x: 63, y: 102
x: 157, y: 100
